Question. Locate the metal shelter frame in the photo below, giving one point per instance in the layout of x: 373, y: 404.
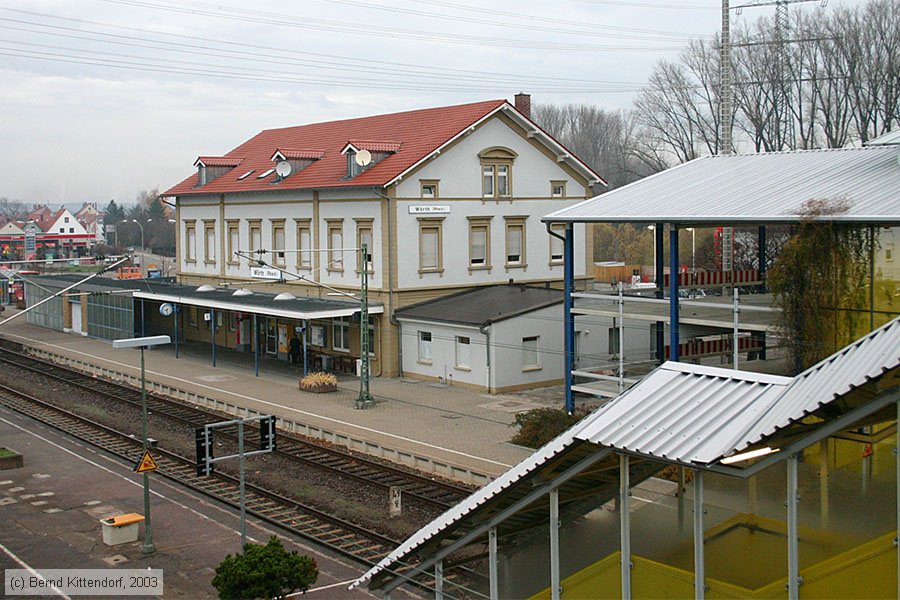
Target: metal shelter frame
x: 590, y: 460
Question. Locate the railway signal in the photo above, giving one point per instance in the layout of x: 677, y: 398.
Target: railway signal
x: 203, y: 437
x: 267, y: 433
x: 205, y: 458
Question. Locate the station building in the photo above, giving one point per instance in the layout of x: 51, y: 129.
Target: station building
x: 444, y: 200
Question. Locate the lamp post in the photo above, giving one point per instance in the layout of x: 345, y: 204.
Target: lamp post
x: 143, y: 343
x: 142, y: 232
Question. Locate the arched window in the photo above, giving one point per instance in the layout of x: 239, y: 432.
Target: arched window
x: 496, y: 171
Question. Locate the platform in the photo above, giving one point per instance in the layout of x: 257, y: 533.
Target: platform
x: 50, y: 513
x: 446, y: 430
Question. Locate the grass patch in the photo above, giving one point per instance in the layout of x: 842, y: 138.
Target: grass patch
x: 4, y: 452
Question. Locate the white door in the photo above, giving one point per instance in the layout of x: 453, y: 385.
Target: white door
x: 76, y: 316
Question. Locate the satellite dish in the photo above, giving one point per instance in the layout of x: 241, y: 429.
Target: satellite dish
x: 283, y: 169
x: 363, y: 158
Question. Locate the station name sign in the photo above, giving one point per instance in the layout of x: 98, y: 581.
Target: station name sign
x: 264, y: 273
x: 429, y: 209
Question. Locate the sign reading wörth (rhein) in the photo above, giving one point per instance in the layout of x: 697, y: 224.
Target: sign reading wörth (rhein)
x: 429, y: 209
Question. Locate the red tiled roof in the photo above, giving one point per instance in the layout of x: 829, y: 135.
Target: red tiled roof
x: 375, y: 145
x: 299, y: 154
x: 421, y: 132
x: 218, y: 161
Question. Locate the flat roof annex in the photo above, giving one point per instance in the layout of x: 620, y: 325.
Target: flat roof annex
x: 686, y: 414
x: 767, y: 188
x: 483, y: 305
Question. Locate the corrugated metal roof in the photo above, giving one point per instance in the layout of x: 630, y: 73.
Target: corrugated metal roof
x: 685, y: 413
x: 890, y: 138
x: 755, y: 188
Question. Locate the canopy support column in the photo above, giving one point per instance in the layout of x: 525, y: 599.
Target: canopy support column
x: 673, y: 293
x: 625, y: 525
x: 569, y: 322
x: 212, y: 319
x: 177, y: 315
x: 823, y: 482
x: 793, y: 549
x: 659, y: 265
x: 554, y: 545
x: 255, y: 345
x: 699, y: 564
x: 492, y: 566
x: 439, y: 580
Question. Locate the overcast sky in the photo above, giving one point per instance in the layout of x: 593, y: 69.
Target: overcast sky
x: 103, y: 98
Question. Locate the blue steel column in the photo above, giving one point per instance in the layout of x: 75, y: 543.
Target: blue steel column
x: 673, y: 293
x: 305, y: 360
x: 177, y: 316
x: 569, y: 332
x: 143, y: 318
x: 659, y: 264
x: 255, y: 345
x: 212, y: 318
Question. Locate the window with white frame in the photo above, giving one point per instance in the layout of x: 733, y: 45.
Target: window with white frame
x: 255, y: 238
x: 278, y: 243
x: 304, y: 245
x: 479, y: 242
x: 530, y: 355
x: 425, y: 347
x: 209, y: 241
x: 429, y: 188
x: 515, y: 241
x: 365, y: 238
x: 463, y: 352
x: 430, y: 245
x: 335, y: 244
x: 190, y: 241
x: 557, y: 189
x: 557, y: 246
x: 496, y: 172
x: 234, y: 241
x: 340, y: 334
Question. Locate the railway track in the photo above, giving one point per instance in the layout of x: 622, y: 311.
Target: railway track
x: 338, y: 535
x: 416, y: 487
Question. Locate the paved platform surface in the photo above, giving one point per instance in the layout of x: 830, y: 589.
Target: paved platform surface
x: 50, y: 511
x: 449, y: 424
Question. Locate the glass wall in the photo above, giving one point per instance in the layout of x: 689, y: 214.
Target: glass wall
x: 49, y: 314
x: 110, y: 316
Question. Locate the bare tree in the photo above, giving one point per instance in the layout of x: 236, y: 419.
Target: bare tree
x: 12, y: 210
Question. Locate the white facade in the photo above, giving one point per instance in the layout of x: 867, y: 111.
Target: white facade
x: 524, y: 351
x: 66, y: 224
x: 457, y: 175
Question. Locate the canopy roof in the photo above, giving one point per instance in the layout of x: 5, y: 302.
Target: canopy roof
x: 860, y: 185
x: 685, y: 414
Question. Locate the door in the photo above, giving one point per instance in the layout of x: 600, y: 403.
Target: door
x: 75, y: 305
x: 271, y: 336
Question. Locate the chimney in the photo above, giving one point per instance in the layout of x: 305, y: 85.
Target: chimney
x: 523, y: 104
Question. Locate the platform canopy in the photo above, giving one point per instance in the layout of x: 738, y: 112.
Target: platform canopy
x: 260, y: 303
x: 757, y: 189
x: 690, y: 415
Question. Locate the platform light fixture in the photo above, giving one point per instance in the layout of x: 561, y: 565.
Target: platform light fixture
x: 143, y: 343
x: 748, y: 455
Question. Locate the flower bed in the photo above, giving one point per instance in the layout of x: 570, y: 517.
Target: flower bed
x: 319, y: 383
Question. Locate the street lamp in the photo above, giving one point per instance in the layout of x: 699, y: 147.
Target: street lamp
x: 143, y: 343
x: 142, y: 232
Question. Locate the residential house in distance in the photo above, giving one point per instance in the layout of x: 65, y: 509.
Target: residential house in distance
x: 444, y: 199
x: 91, y: 219
x: 65, y: 236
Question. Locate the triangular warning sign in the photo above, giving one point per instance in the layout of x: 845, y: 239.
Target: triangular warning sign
x: 146, y: 463
x: 868, y: 451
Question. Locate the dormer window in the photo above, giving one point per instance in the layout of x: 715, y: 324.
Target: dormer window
x: 375, y: 152
x: 210, y: 168
x: 297, y: 158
